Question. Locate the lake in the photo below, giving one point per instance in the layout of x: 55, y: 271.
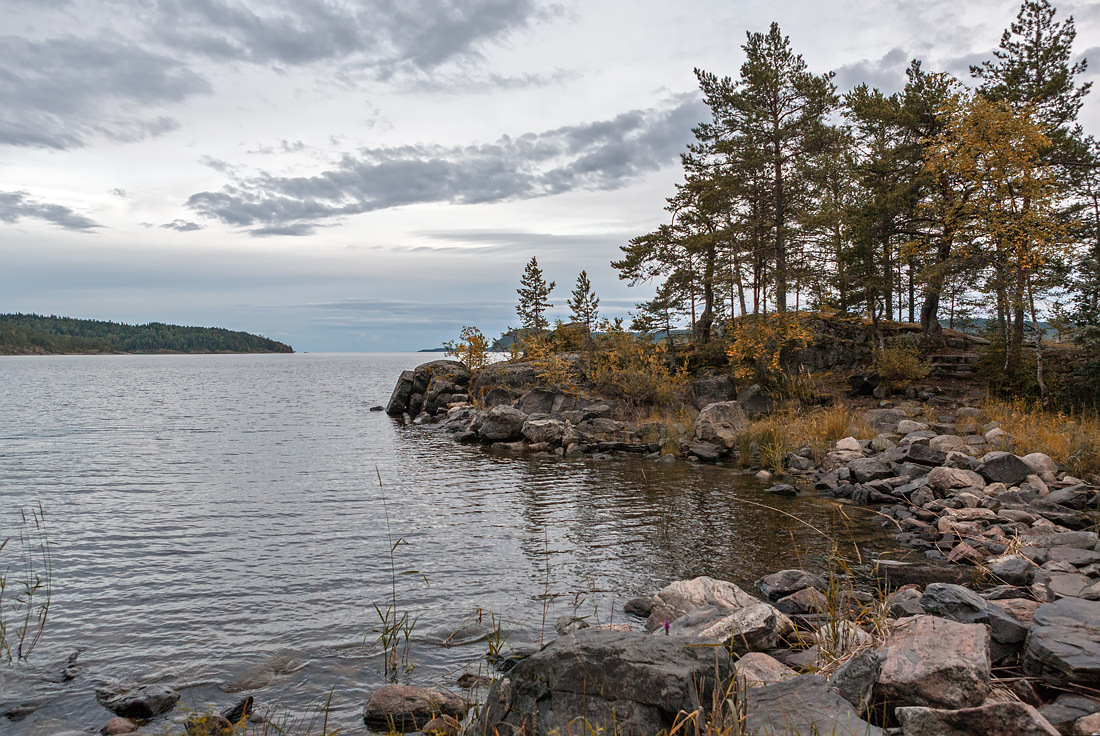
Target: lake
x: 224, y: 525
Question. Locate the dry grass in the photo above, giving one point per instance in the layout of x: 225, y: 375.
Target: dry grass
x: 1071, y: 439
x: 774, y: 437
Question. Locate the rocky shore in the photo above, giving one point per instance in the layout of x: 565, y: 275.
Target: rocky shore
x: 996, y: 632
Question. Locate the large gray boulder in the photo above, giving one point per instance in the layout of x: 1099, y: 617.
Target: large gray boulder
x: 502, y: 424
x: 867, y: 469
x: 1063, y: 648
x: 721, y: 423
x: 624, y: 683
x: 934, y: 662
x: 407, y: 708
x: 1004, y: 467
x: 684, y: 596
x: 800, y: 706
x: 963, y: 605
x: 995, y: 719
x: 549, y: 431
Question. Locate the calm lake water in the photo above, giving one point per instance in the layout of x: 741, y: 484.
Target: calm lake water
x: 217, y: 524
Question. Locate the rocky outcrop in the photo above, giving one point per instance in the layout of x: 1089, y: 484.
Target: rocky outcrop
x: 627, y: 683
x: 428, y: 387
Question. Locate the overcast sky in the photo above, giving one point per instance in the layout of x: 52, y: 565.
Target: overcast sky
x: 362, y: 175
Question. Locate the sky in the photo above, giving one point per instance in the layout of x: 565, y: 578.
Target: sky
x: 371, y: 175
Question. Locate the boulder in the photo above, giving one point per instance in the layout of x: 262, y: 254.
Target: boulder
x: 1087, y: 725
x: 399, y: 399
x: 721, y: 423
x: 683, y: 596
x: 947, y: 443
x: 143, y: 702
x: 706, y: 391
x: 802, y: 705
x: 537, y: 401
x: 855, y: 679
x: 907, y: 426
x: 963, y: 605
x: 849, y: 444
x: 514, y: 377
x: 805, y: 601
x: 994, y: 719
x: 1014, y: 570
x: 407, y: 708
x: 502, y: 424
x: 549, y: 431
x: 1004, y: 467
x: 1063, y: 648
x: 754, y: 628
x: 935, y: 662
x: 921, y: 455
x: 703, y: 450
x: 866, y: 469
x: 624, y: 683
x: 944, y: 479
x: 785, y: 582
x: 1040, y: 463
x: 756, y: 669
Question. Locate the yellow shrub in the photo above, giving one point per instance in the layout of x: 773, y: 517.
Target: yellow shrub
x: 759, y: 343
x: 901, y: 364
x: 472, y: 348
x: 633, y: 369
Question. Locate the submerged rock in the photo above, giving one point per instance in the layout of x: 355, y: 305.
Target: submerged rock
x: 143, y: 702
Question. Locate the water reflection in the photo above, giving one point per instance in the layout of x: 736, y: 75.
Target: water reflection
x: 216, y: 517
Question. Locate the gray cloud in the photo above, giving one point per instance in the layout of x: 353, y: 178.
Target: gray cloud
x: 181, y: 226
x: 60, y: 92
x: 591, y: 156
x: 386, y: 35
x: 15, y: 206
x: 886, y: 74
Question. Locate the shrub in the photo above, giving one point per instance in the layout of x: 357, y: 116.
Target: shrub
x: 901, y: 364
x: 760, y: 343
x: 472, y: 348
x: 633, y: 369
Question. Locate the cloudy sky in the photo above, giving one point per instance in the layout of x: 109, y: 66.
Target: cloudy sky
x: 361, y: 175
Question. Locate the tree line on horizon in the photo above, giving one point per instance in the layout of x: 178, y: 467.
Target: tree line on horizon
x: 33, y: 333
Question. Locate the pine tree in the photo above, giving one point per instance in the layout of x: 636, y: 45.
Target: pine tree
x: 533, y: 295
x: 584, y: 304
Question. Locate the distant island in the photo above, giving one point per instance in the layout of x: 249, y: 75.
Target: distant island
x: 33, y: 334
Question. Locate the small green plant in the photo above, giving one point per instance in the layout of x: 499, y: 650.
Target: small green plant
x: 25, y: 587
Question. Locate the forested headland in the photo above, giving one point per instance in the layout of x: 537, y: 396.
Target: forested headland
x: 966, y: 203
x: 32, y: 334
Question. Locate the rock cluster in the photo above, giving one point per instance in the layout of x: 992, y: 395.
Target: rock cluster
x: 925, y: 672
x: 956, y: 498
